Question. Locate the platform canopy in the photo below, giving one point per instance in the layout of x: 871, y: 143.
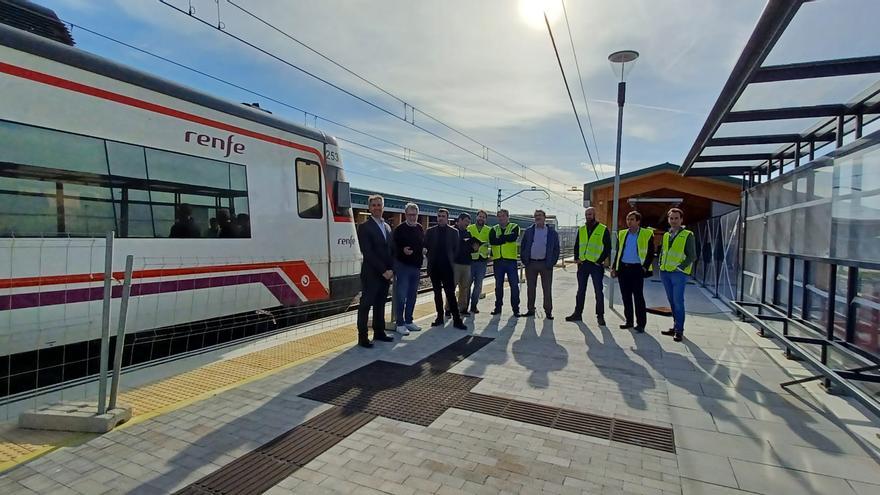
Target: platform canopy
x: 794, y: 90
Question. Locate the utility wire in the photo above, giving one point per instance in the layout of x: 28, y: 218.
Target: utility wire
x: 221, y: 27
x: 581, y: 79
x: 573, y: 107
x: 285, y: 104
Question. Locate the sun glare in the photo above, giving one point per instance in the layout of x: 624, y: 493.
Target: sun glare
x: 532, y: 11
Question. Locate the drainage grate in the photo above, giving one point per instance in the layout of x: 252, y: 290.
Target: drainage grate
x: 649, y: 436
x: 616, y: 430
x: 263, y: 468
x: 395, y: 391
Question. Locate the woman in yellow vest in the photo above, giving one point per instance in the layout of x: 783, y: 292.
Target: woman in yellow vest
x: 677, y: 256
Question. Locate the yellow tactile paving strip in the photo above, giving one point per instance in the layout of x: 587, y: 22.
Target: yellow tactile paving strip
x: 19, y: 445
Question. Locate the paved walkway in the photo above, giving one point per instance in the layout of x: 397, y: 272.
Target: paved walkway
x: 736, y: 430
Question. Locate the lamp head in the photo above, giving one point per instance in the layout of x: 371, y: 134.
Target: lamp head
x: 622, y: 62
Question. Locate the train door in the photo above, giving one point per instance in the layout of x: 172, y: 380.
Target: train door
x: 310, y: 237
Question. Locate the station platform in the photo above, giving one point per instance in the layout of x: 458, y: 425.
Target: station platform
x: 514, y: 405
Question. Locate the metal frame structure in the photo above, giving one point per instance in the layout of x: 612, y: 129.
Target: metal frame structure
x: 838, y: 360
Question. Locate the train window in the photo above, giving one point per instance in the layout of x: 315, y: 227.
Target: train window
x: 54, y: 183
x: 308, y: 189
x: 44, y: 148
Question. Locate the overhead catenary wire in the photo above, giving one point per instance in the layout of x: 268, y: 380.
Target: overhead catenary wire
x: 570, y: 98
x: 298, y: 109
x: 221, y: 27
x: 581, y: 80
x: 392, y: 95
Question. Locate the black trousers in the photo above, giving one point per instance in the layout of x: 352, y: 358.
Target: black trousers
x: 443, y: 281
x: 632, y: 289
x: 374, y: 293
x: 587, y: 271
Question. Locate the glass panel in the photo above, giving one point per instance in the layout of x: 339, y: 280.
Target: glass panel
x: 798, y: 294
x: 86, y: 218
x: 140, y: 220
x: 126, y: 160
x: 803, y: 92
x: 237, y: 177
x: 309, y: 204
x: 308, y: 176
x: 163, y: 219
x: 840, y: 306
x: 799, y: 42
x: 817, y: 294
x: 26, y: 145
x: 867, y: 323
x: 182, y: 169
x: 27, y: 208
x: 241, y: 205
x: 781, y: 287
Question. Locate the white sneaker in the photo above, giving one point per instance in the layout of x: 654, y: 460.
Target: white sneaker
x: 402, y: 330
x: 412, y: 327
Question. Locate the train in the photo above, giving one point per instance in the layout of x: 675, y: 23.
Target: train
x: 239, y: 222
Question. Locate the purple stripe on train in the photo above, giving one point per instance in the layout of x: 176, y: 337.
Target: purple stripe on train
x: 273, y: 281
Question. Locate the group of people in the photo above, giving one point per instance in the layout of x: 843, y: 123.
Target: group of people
x: 632, y: 264
x: 457, y: 257
x: 222, y: 226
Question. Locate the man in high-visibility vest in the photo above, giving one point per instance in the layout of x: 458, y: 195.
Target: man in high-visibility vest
x: 592, y: 246
x: 632, y: 265
x: 480, y: 258
x: 677, y: 255
x: 504, y: 238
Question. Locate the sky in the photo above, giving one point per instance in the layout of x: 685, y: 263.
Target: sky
x: 484, y: 68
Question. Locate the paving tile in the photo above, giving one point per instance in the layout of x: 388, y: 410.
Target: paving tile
x: 762, y: 478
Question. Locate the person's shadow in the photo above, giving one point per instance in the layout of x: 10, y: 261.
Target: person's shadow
x: 494, y: 354
x: 613, y: 363
x: 542, y: 355
x: 268, y: 417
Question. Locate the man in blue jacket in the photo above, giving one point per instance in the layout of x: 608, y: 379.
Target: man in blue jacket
x: 539, y: 253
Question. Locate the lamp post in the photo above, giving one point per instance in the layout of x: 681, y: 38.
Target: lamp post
x: 622, y: 63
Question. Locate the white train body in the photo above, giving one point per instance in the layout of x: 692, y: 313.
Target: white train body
x: 164, y: 145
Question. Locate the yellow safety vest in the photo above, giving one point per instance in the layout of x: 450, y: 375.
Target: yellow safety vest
x: 508, y: 250
x: 481, y: 235
x: 642, y: 242
x: 591, y: 249
x: 673, y: 255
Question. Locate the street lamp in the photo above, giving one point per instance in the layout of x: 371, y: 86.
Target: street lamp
x: 622, y: 63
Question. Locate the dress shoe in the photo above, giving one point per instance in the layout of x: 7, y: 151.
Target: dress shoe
x: 438, y: 322
x: 526, y: 314
x: 678, y: 338
x: 365, y: 343
x: 574, y: 318
x: 475, y: 311
x: 669, y: 332
x: 495, y: 312
x: 640, y: 329
x: 383, y: 338
x: 465, y: 313
x: 626, y: 326
x: 460, y: 325
x: 548, y: 316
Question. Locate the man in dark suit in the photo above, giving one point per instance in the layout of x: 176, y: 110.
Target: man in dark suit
x: 442, y: 242
x: 374, y: 237
x: 539, y: 252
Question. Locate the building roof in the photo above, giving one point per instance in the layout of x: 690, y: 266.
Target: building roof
x: 662, y: 167
x: 770, y: 116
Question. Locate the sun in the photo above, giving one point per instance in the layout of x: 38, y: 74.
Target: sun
x: 532, y: 11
